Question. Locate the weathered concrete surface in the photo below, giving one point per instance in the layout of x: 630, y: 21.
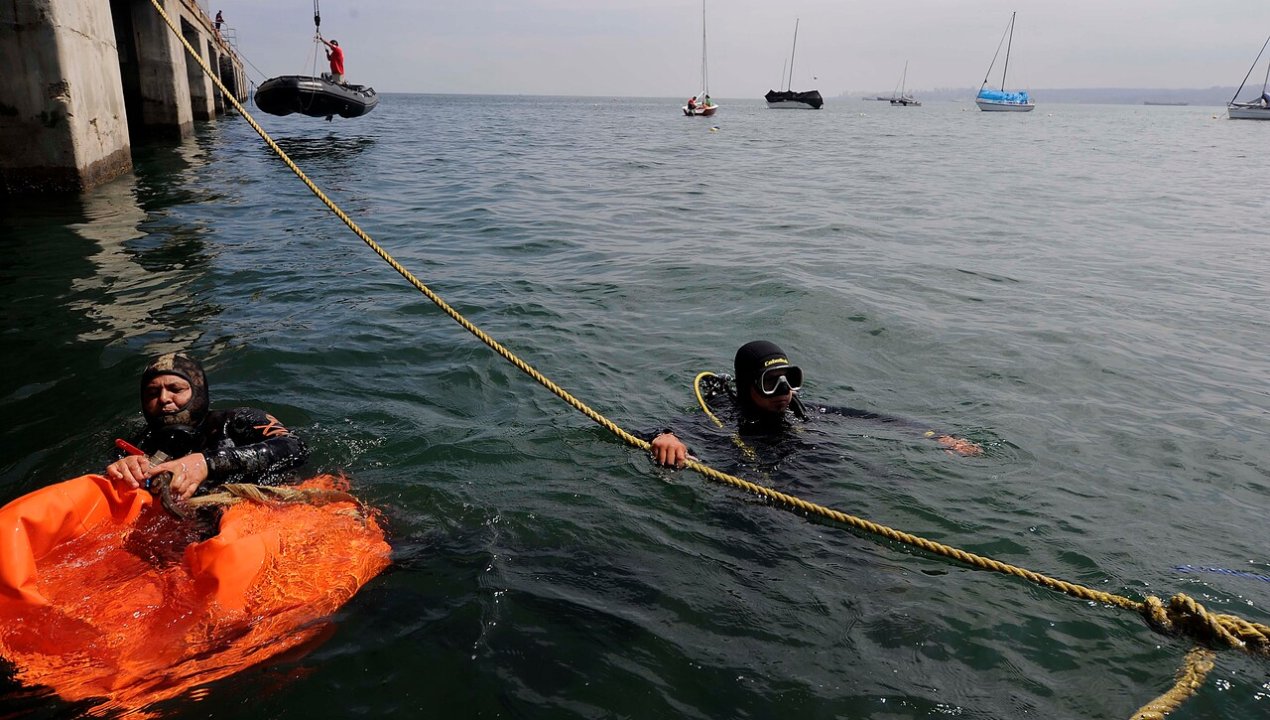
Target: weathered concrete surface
x: 201, y: 102
x: 84, y: 80
x: 63, y: 126
x: 165, y: 87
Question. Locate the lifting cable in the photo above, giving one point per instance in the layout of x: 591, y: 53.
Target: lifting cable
x: 1181, y: 616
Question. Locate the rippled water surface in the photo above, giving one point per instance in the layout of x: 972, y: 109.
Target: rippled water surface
x: 1082, y: 290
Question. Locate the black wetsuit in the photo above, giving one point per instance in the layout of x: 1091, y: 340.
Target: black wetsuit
x: 242, y: 445
x: 717, y: 390
x: 767, y: 439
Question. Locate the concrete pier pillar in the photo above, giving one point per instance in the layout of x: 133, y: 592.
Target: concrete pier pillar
x: 163, y: 84
x: 63, y: 126
x: 213, y: 59
x: 201, y: 103
x: 82, y: 81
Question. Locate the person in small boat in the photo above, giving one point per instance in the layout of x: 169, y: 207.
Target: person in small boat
x: 335, y: 54
x: 767, y: 402
x: 692, y: 103
x: 206, y: 448
x: 707, y: 102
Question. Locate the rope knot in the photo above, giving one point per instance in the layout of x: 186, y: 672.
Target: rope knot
x: 1185, y: 616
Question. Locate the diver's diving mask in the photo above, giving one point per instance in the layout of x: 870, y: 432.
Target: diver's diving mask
x: 780, y: 380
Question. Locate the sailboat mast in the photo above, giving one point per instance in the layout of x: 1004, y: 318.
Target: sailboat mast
x: 904, y: 80
x: 1006, y: 68
x: 1254, y: 67
x: 705, y: 74
x: 790, y: 85
x: 1265, y: 81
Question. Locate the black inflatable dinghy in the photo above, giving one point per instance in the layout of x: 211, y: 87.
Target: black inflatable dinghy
x: 314, y: 96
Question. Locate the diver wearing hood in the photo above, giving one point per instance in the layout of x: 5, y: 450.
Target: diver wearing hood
x: 207, y: 447
x: 766, y: 400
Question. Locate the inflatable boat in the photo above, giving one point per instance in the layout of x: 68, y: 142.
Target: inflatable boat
x: 109, y: 600
x: 315, y: 97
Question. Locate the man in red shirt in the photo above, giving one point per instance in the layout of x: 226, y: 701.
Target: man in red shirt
x: 335, y: 54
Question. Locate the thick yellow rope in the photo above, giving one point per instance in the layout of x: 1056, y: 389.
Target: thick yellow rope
x: 1183, y: 616
x: 1199, y: 662
x: 234, y: 493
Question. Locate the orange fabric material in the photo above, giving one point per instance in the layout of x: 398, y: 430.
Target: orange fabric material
x: 35, y: 524
x: 104, y: 596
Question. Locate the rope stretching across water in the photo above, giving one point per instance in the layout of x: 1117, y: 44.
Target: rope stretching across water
x: 1182, y: 615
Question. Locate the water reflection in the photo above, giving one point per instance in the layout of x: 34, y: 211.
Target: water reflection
x: 139, y: 272
x: 330, y: 151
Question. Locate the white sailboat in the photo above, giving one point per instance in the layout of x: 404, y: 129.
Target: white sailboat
x: 1258, y: 109
x: 1001, y: 100
x: 701, y: 105
x: 904, y: 98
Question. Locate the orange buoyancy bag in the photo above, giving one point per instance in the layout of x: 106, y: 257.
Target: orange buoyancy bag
x: 105, y: 597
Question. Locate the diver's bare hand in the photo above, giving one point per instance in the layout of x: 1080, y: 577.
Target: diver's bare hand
x: 131, y: 470
x: 669, y: 450
x: 188, y: 473
x: 961, y: 446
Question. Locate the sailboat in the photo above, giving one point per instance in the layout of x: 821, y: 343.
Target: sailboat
x: 806, y: 100
x: 1258, y: 109
x: 904, y: 98
x: 999, y: 100
x: 701, y: 105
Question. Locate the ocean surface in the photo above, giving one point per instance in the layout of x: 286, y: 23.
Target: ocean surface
x: 1082, y: 290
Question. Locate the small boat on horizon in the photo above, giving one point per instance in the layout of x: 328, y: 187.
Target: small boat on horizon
x: 706, y: 107
x: 791, y: 99
x: 1002, y: 100
x: 904, y: 99
x: 1258, y: 109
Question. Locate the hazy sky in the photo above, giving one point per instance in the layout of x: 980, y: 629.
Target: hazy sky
x: 653, y: 47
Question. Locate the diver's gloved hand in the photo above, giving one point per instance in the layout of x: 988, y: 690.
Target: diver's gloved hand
x: 669, y: 450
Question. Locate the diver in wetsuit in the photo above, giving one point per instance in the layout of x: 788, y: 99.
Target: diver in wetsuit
x: 207, y: 448
x: 767, y: 402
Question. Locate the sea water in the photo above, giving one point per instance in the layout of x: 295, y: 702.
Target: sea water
x: 1081, y: 289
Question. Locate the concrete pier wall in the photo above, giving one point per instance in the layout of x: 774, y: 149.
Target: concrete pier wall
x: 84, y: 81
x: 201, y: 104
x: 63, y: 125
x: 165, y: 87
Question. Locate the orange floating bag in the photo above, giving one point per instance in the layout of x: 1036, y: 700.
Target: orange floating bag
x: 104, y: 596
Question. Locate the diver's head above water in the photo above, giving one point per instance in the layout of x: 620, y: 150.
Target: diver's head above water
x: 174, y: 392
x: 766, y: 381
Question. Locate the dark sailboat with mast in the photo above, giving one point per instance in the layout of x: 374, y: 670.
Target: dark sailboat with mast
x: 903, y: 98
x: 1002, y: 100
x: 787, y: 98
